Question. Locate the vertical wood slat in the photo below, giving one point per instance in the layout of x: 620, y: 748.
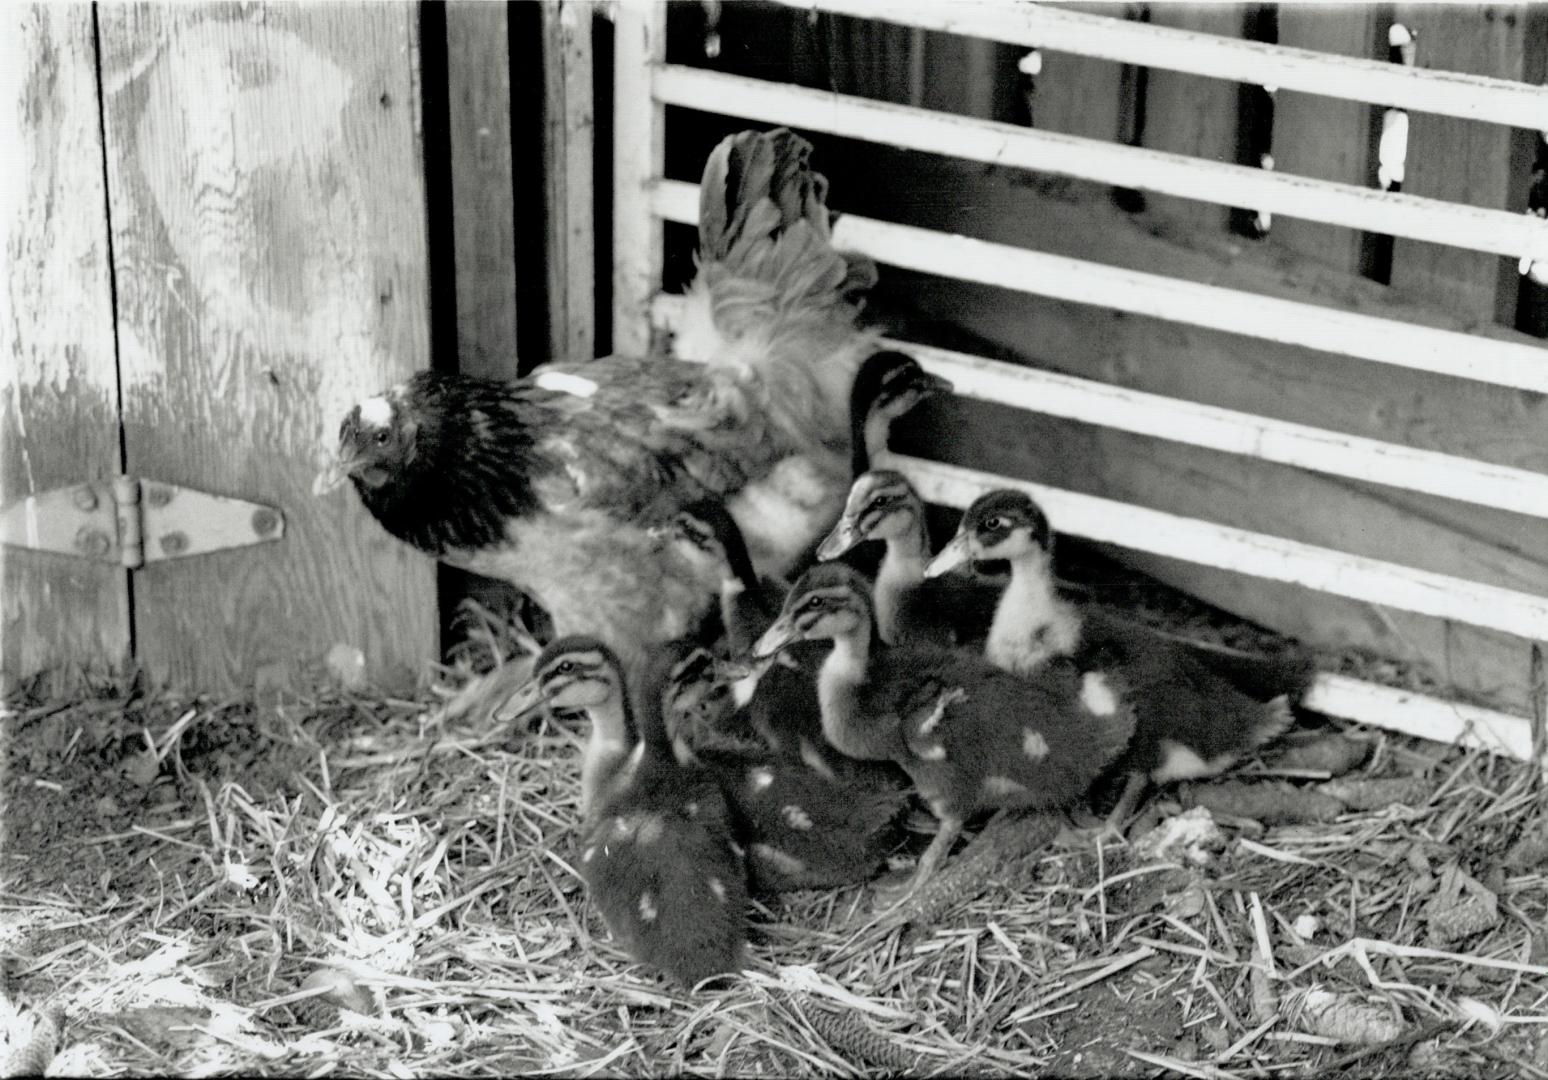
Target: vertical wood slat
x: 1190, y: 114
x: 639, y: 147
x: 568, y: 149
x: 58, y: 383
x: 1326, y: 138
x: 1465, y: 161
x: 269, y: 240
x: 483, y: 212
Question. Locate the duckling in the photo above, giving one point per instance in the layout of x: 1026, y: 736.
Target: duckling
x: 887, y: 385
x: 971, y: 736
x: 803, y: 827
x: 707, y: 536
x: 1191, y: 722
x: 910, y: 608
x: 657, y: 853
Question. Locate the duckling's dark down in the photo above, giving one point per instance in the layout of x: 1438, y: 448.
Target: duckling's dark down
x: 658, y: 853
x: 804, y: 826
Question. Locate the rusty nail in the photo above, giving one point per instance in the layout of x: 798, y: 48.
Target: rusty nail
x: 85, y: 498
x: 158, y: 496
x: 92, y: 541
x: 174, y: 543
x: 265, y: 521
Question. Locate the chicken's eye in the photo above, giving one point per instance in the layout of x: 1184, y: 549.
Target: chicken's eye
x: 380, y: 438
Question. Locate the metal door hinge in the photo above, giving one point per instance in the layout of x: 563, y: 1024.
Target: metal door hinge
x: 131, y: 522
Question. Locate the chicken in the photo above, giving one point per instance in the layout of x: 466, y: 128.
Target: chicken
x: 551, y: 482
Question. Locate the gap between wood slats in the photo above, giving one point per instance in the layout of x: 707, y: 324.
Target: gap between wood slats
x: 1301, y: 445
x: 1434, y: 220
x: 1331, y: 330
x: 1448, y: 93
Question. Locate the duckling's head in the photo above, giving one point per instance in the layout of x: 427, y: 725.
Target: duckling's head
x: 1005, y: 524
x: 708, y: 537
x: 882, y: 505
x: 574, y: 672
x: 696, y: 688
x: 830, y: 602
x: 887, y: 385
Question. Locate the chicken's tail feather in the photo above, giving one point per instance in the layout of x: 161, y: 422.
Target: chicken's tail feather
x: 772, y: 296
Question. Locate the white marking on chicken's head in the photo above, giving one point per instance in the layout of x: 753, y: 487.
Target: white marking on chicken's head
x: 1033, y: 744
x: 1097, y: 694
x: 376, y: 412
x: 563, y: 382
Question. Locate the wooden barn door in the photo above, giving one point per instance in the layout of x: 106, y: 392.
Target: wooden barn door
x: 263, y: 217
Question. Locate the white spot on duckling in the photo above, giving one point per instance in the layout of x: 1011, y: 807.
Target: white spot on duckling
x: 647, y: 907
x: 1033, y: 744
x: 376, y: 412
x: 760, y: 779
x: 589, y: 854
x: 1002, y: 786
x: 938, y: 713
x: 779, y: 860
x: 736, y: 849
x: 650, y: 830
x: 796, y: 818
x: 622, y: 826
x: 933, y: 752
x: 691, y: 808
x: 813, y: 759
x: 1097, y: 694
x: 563, y: 382
x: 1179, y: 762
x: 718, y: 887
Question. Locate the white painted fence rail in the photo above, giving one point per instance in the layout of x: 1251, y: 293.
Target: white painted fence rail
x: 1046, y: 26
x: 1327, y: 329
x: 1104, y: 405
x: 1437, y: 221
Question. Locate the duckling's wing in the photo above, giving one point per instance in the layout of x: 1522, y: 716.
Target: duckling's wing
x: 669, y: 880
x: 1287, y: 671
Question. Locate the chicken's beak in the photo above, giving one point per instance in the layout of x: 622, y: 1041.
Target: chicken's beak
x: 335, y: 472
x: 776, y: 637
x: 845, y: 535
x: 527, y: 700
x: 934, y: 384
x: 951, y: 556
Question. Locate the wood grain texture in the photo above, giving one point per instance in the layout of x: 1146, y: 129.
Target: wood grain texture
x: 1080, y: 95
x: 1261, y: 377
x: 568, y: 149
x: 1189, y: 114
x: 478, y: 62
x: 1465, y: 161
x: 1326, y: 138
x: 58, y: 383
x: 269, y: 241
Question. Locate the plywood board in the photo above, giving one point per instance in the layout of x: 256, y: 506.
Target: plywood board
x: 58, y: 383
x: 269, y: 240
x: 568, y: 149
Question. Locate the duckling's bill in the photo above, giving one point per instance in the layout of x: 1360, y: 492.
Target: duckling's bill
x: 527, y: 700
x: 783, y: 632
x: 953, y: 555
x: 845, y: 535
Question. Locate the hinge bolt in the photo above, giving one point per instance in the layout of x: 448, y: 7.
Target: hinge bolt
x: 265, y: 521
x: 85, y: 498
x: 93, y: 542
x: 158, y: 496
x: 174, y: 543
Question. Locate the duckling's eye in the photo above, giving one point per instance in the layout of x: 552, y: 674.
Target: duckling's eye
x: 565, y: 667
x: 814, y: 603
x: 997, y: 524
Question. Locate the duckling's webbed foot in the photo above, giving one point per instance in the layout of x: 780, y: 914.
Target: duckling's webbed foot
x: 889, y: 895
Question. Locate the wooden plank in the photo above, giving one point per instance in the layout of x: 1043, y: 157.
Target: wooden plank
x: 59, y: 385
x: 968, y: 76
x: 269, y: 241
x: 1479, y: 164
x: 568, y: 150
x: 1323, y: 138
x: 478, y: 66
x: 1189, y: 114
